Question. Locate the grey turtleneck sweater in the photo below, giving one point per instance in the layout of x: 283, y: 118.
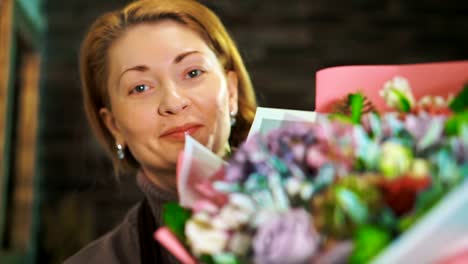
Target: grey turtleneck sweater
x: 121, y: 245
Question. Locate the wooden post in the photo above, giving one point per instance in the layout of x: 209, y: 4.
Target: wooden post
x: 6, y: 38
x: 25, y: 150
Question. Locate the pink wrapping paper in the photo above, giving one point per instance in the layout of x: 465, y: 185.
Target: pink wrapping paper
x: 460, y: 258
x: 170, y: 242
x: 441, y: 78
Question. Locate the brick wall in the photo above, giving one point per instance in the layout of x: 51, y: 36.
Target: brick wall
x: 283, y: 44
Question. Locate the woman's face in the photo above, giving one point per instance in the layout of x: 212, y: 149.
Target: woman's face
x: 165, y: 82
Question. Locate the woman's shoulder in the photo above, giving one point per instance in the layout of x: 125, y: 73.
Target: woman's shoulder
x: 120, y: 245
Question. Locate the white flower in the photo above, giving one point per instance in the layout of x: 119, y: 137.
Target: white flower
x: 240, y: 243
x: 205, y: 206
x: 263, y: 216
x: 202, y: 217
x: 420, y: 168
x: 293, y: 186
x: 203, y: 237
x: 395, y: 160
x: 243, y: 202
x: 396, y: 92
x: 307, y: 190
x: 437, y: 101
x: 209, y: 235
x: 237, y: 212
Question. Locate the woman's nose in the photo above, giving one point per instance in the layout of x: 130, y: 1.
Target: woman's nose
x: 173, y: 101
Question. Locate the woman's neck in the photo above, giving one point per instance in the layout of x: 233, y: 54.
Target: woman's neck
x: 164, y: 180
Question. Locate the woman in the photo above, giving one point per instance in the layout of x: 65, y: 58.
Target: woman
x: 151, y: 73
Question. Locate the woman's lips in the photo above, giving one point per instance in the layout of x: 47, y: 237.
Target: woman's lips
x: 178, y: 133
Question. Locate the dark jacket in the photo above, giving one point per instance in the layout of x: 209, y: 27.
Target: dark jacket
x: 123, y: 243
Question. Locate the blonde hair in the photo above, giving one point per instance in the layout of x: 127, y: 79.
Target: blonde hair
x: 111, y: 26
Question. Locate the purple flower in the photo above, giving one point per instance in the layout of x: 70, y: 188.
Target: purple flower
x: 339, y: 253
x: 288, y: 238
x: 234, y: 173
x: 298, y: 152
x: 391, y: 125
x: 281, y: 141
x: 252, y: 157
x: 427, y: 130
x: 460, y: 147
x: 330, y: 131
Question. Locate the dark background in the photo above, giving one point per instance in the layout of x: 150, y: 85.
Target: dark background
x: 283, y: 44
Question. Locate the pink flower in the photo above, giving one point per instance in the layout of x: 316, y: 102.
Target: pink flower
x: 288, y: 238
x: 316, y: 157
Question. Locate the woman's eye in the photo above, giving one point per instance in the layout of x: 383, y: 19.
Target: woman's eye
x: 139, y: 88
x: 194, y: 73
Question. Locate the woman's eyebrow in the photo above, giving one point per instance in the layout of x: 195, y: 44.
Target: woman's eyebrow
x: 180, y: 57
x: 143, y: 68
x: 140, y: 68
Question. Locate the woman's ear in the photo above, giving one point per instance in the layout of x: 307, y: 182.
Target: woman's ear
x: 109, y: 121
x: 233, y: 89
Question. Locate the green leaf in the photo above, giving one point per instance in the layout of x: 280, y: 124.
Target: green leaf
x: 451, y: 126
x: 225, y: 258
x: 404, y: 103
x: 368, y: 242
x: 175, y: 217
x: 368, y: 151
x: 460, y: 102
x: 356, y: 102
x: 341, y: 118
x: 454, y: 125
x: 279, y: 165
x: 227, y: 187
x: 324, y: 177
x: 352, y: 205
x: 338, y: 219
x: 256, y: 182
x: 278, y: 192
x: 207, y: 259
x: 376, y: 125
x: 432, y: 134
x: 407, y: 221
x: 386, y: 219
x: 464, y: 171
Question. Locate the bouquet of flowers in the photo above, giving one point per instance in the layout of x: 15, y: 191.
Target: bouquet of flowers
x: 337, y: 190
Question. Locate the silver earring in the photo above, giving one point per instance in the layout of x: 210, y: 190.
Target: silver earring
x: 120, y: 151
x: 232, y: 117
